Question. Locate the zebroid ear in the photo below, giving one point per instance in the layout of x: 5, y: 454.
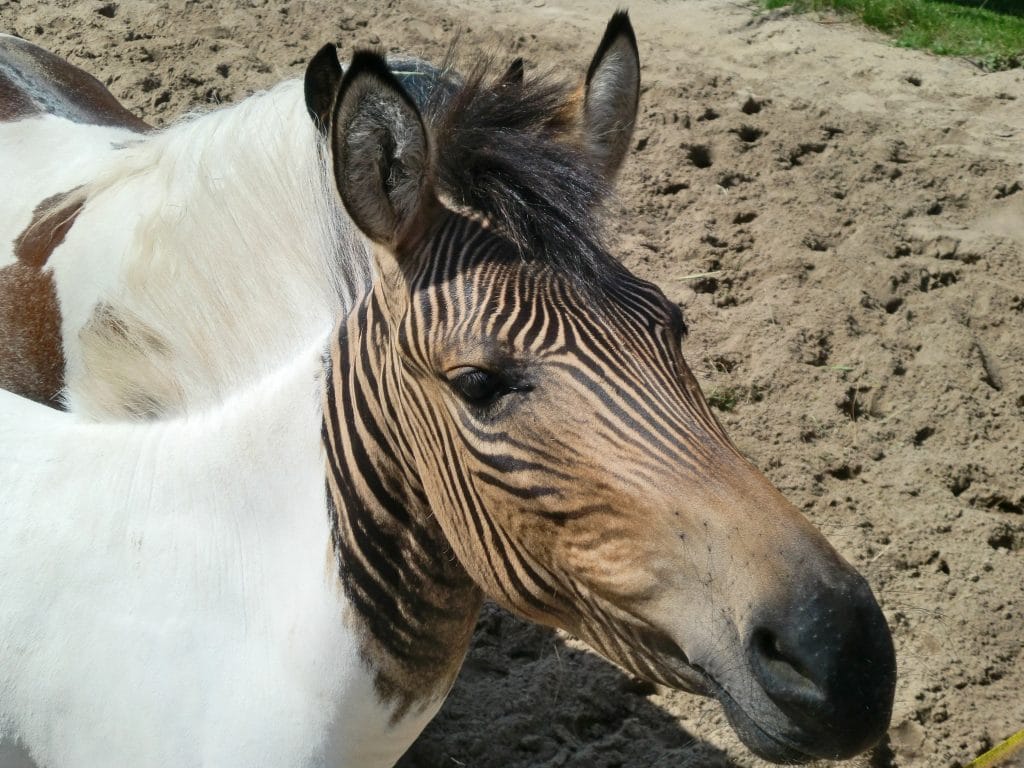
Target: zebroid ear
x: 381, y: 151
x: 611, y: 96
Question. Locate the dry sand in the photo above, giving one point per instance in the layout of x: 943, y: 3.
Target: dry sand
x: 863, y: 209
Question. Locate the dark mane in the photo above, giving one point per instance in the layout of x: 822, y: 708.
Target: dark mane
x: 506, y: 149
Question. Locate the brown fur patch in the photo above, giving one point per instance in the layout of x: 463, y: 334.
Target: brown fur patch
x: 32, y: 362
x: 51, y: 222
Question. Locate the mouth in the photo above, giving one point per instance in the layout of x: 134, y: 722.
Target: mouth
x: 675, y: 669
x: 759, y: 741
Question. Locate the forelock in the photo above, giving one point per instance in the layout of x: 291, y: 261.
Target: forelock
x: 507, y: 151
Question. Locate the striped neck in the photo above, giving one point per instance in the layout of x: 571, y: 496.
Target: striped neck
x: 415, y: 603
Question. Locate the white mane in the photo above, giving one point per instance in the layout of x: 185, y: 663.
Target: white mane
x: 237, y: 249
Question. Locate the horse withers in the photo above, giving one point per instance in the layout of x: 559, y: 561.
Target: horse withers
x: 146, y: 273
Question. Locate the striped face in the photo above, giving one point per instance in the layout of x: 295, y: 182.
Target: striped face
x: 559, y: 435
x: 578, y: 474
x: 510, y: 392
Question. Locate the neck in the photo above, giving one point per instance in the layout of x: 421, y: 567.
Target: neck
x: 239, y: 210
x: 416, y: 604
x: 260, y: 192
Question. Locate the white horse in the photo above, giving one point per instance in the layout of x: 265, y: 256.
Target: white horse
x: 153, y: 272
x: 291, y: 577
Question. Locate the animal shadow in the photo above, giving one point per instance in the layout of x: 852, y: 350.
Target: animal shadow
x: 526, y: 699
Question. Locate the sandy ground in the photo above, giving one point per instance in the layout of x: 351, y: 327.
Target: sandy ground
x: 863, y: 212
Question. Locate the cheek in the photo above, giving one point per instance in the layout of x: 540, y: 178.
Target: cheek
x: 615, y: 554
x: 615, y: 568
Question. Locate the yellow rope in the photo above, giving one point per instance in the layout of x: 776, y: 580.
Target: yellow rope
x: 1000, y: 752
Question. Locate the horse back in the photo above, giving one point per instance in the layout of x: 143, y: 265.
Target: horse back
x: 34, y: 81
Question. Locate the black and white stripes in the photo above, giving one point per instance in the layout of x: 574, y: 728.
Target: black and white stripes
x: 433, y: 498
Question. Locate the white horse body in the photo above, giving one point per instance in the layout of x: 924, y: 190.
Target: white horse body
x: 231, y: 215
x: 183, y: 608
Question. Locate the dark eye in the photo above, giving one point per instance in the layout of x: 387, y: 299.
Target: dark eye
x: 478, y: 387
x: 482, y: 388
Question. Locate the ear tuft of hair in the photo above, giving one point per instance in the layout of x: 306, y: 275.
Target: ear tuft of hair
x: 515, y: 73
x: 509, y: 153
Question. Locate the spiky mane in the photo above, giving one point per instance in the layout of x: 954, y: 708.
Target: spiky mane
x: 506, y: 149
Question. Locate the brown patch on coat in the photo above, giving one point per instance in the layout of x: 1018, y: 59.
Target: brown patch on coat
x: 31, y: 349
x: 51, y: 222
x: 35, y: 81
x: 32, y: 361
x: 570, y: 113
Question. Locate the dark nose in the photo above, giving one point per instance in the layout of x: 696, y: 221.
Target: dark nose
x: 826, y: 660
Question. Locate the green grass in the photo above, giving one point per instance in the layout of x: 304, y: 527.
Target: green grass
x: 724, y: 399
x: 990, y: 32
x: 727, y: 398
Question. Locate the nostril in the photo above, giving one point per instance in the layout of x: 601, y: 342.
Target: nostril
x: 785, y: 676
x: 772, y: 653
